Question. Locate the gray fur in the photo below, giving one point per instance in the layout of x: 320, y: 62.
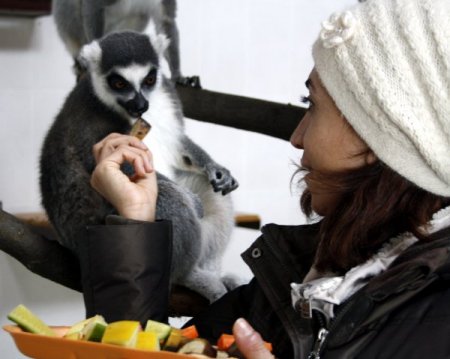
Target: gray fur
x: 79, y: 22
x: 193, y: 198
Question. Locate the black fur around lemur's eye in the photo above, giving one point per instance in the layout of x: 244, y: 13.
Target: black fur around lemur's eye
x: 118, y: 83
x: 150, y: 79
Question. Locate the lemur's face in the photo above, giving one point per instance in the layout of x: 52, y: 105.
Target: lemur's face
x: 126, y: 70
x: 128, y: 88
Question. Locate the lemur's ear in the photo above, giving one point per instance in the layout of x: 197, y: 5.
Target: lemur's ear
x: 90, y: 55
x: 160, y: 43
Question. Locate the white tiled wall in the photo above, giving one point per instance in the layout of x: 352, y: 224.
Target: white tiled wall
x: 256, y: 48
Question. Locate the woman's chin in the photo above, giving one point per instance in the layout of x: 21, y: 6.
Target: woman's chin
x: 319, y: 207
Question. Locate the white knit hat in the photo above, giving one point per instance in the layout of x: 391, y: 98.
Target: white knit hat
x: 386, y: 64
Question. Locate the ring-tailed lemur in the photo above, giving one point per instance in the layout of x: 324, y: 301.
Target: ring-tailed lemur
x: 127, y: 76
x: 79, y: 22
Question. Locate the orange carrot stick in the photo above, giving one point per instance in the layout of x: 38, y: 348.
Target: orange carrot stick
x: 189, y: 332
x: 225, y: 341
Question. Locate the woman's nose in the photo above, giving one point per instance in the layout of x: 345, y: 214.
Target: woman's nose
x: 297, y: 136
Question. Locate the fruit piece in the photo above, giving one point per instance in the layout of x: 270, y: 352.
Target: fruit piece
x: 221, y: 355
x: 225, y: 341
x: 140, y: 128
x: 174, y: 340
x: 162, y: 330
x: 73, y: 336
x: 29, y: 321
x: 94, y: 329
x: 147, y: 341
x: 123, y: 333
x: 198, y: 346
x: 190, y: 332
x: 74, y: 331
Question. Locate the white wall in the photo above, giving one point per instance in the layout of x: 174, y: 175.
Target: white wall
x: 255, y: 48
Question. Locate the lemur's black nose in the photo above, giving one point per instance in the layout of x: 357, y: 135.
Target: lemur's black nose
x: 137, y: 105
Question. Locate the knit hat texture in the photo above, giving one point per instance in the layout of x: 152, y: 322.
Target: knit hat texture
x: 386, y: 64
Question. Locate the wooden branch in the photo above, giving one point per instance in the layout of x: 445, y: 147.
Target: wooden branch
x: 245, y: 113
x: 25, y: 7
x: 44, y: 257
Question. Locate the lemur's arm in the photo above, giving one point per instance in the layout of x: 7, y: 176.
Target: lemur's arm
x: 195, y: 159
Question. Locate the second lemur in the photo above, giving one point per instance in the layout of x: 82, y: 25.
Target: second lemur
x: 80, y: 22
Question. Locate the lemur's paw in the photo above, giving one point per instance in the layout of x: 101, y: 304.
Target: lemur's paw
x: 221, y: 179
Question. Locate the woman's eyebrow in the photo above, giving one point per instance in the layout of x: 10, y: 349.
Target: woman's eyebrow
x: 309, y: 84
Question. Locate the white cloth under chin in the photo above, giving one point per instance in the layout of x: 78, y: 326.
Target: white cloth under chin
x: 324, y: 293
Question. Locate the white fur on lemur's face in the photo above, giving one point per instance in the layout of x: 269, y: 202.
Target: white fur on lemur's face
x: 131, y: 86
x: 125, y: 88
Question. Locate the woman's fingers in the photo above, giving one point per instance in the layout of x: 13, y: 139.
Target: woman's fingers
x: 111, y: 142
x: 249, y: 341
x: 140, y: 159
x: 133, y: 197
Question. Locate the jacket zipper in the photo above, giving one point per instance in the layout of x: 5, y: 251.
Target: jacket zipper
x: 322, y: 334
x: 318, y: 345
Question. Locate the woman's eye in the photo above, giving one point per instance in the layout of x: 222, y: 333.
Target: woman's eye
x: 307, y: 101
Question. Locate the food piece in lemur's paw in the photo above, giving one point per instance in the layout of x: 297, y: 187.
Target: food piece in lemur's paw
x: 140, y: 128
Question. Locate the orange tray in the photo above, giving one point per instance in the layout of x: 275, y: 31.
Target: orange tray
x: 44, y: 347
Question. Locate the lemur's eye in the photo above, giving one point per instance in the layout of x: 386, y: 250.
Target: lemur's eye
x: 117, y: 82
x: 150, y: 79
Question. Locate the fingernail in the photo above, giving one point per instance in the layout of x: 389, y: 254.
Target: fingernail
x: 244, y: 328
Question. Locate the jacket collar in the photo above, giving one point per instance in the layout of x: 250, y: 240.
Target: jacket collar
x: 412, y: 272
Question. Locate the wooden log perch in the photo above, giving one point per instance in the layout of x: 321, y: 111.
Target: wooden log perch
x: 25, y: 7
x: 44, y: 257
x: 244, y: 113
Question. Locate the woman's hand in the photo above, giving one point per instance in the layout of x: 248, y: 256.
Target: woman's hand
x: 249, y: 341
x: 135, y: 197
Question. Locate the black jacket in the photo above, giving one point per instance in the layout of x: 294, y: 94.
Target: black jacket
x: 402, y: 313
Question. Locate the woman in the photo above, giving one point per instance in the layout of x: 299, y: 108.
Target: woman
x: 372, y: 278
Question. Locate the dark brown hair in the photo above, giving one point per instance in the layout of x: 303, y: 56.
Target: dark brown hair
x: 375, y: 205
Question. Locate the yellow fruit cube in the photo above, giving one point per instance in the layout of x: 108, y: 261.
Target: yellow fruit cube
x: 147, y: 341
x: 123, y: 333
